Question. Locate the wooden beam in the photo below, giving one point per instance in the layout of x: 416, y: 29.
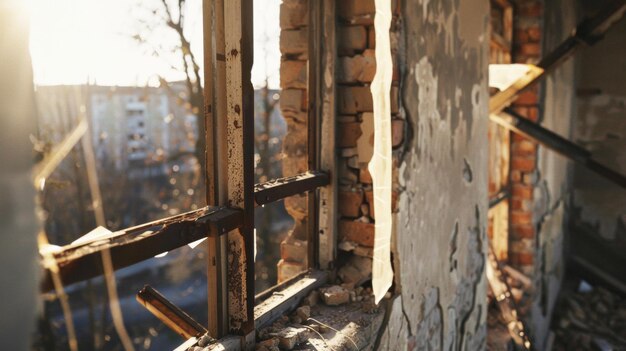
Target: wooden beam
x: 587, y: 32
x: 279, y: 189
x: 238, y: 44
x: 326, y: 233
x: 283, y: 301
x: 83, y: 261
x: 216, y: 159
x: 172, y: 316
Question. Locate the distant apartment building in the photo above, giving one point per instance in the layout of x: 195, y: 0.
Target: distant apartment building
x: 131, y: 127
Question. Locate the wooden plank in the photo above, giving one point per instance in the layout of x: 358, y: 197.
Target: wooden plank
x: 278, y: 189
x: 238, y: 38
x: 216, y: 173
x: 586, y: 33
x: 327, y: 204
x: 172, y: 316
x: 283, y: 301
x: 83, y: 261
x: 314, y: 109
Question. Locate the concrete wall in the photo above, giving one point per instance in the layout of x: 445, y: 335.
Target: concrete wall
x: 601, y: 129
x: 441, y: 221
x: 552, y: 177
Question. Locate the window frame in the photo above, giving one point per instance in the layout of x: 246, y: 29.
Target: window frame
x: 230, y: 192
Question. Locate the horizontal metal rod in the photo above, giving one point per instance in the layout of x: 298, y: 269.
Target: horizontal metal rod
x: 168, y: 313
x: 588, y: 32
x: 502, y: 195
x: 81, y: 262
x: 281, y: 188
x: 518, y: 124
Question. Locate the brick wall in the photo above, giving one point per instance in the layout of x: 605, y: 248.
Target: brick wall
x: 354, y: 71
x: 356, y: 67
x: 526, y: 49
x: 293, y: 106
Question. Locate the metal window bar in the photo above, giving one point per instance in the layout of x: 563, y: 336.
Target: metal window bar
x: 231, y: 194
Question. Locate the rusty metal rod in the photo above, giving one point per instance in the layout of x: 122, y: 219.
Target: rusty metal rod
x: 502, y: 195
x: 279, y: 189
x: 81, y: 262
x: 168, y: 313
x: 518, y: 124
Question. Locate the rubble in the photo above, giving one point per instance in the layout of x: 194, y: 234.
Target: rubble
x: 335, y: 295
x: 339, y: 320
x: 590, y: 319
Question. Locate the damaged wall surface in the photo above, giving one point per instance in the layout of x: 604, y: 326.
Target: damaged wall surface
x: 600, y: 128
x: 441, y: 224
x: 551, y: 179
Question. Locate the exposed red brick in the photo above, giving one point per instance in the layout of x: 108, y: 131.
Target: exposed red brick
x: 397, y: 132
x: 349, y: 9
x: 524, y: 148
x: 348, y: 133
x: 530, y: 9
x: 358, y: 232
x: 287, y: 269
x: 534, y: 34
x: 527, y: 98
x: 526, y: 164
x: 350, y: 203
x: 533, y: 114
x: 293, y: 74
x: 522, y: 191
x: 364, y: 175
x: 522, y: 259
x: 351, y: 39
x: 530, y: 49
x: 354, y: 99
x: 522, y: 231
x: 294, y: 14
x: 359, y: 68
x: 293, y: 250
x: 518, y: 137
x: 294, y: 41
x: 292, y: 100
x: 520, y: 217
x: 516, y: 176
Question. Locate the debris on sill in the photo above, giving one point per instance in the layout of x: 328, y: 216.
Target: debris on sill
x: 591, y: 318
x: 331, y: 318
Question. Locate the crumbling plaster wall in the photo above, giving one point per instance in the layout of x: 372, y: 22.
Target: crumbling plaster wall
x: 551, y: 179
x: 440, y: 239
x: 600, y: 128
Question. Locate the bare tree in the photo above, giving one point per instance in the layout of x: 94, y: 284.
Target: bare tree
x: 173, y: 15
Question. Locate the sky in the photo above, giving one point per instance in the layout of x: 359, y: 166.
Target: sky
x: 75, y: 41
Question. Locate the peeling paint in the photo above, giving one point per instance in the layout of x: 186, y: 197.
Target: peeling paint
x: 443, y: 171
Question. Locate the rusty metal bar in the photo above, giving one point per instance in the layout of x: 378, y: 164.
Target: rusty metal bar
x: 238, y: 161
x: 502, y: 195
x: 314, y: 109
x: 127, y: 247
x: 168, y: 313
x: 278, y: 189
x: 518, y: 124
x: 587, y: 32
